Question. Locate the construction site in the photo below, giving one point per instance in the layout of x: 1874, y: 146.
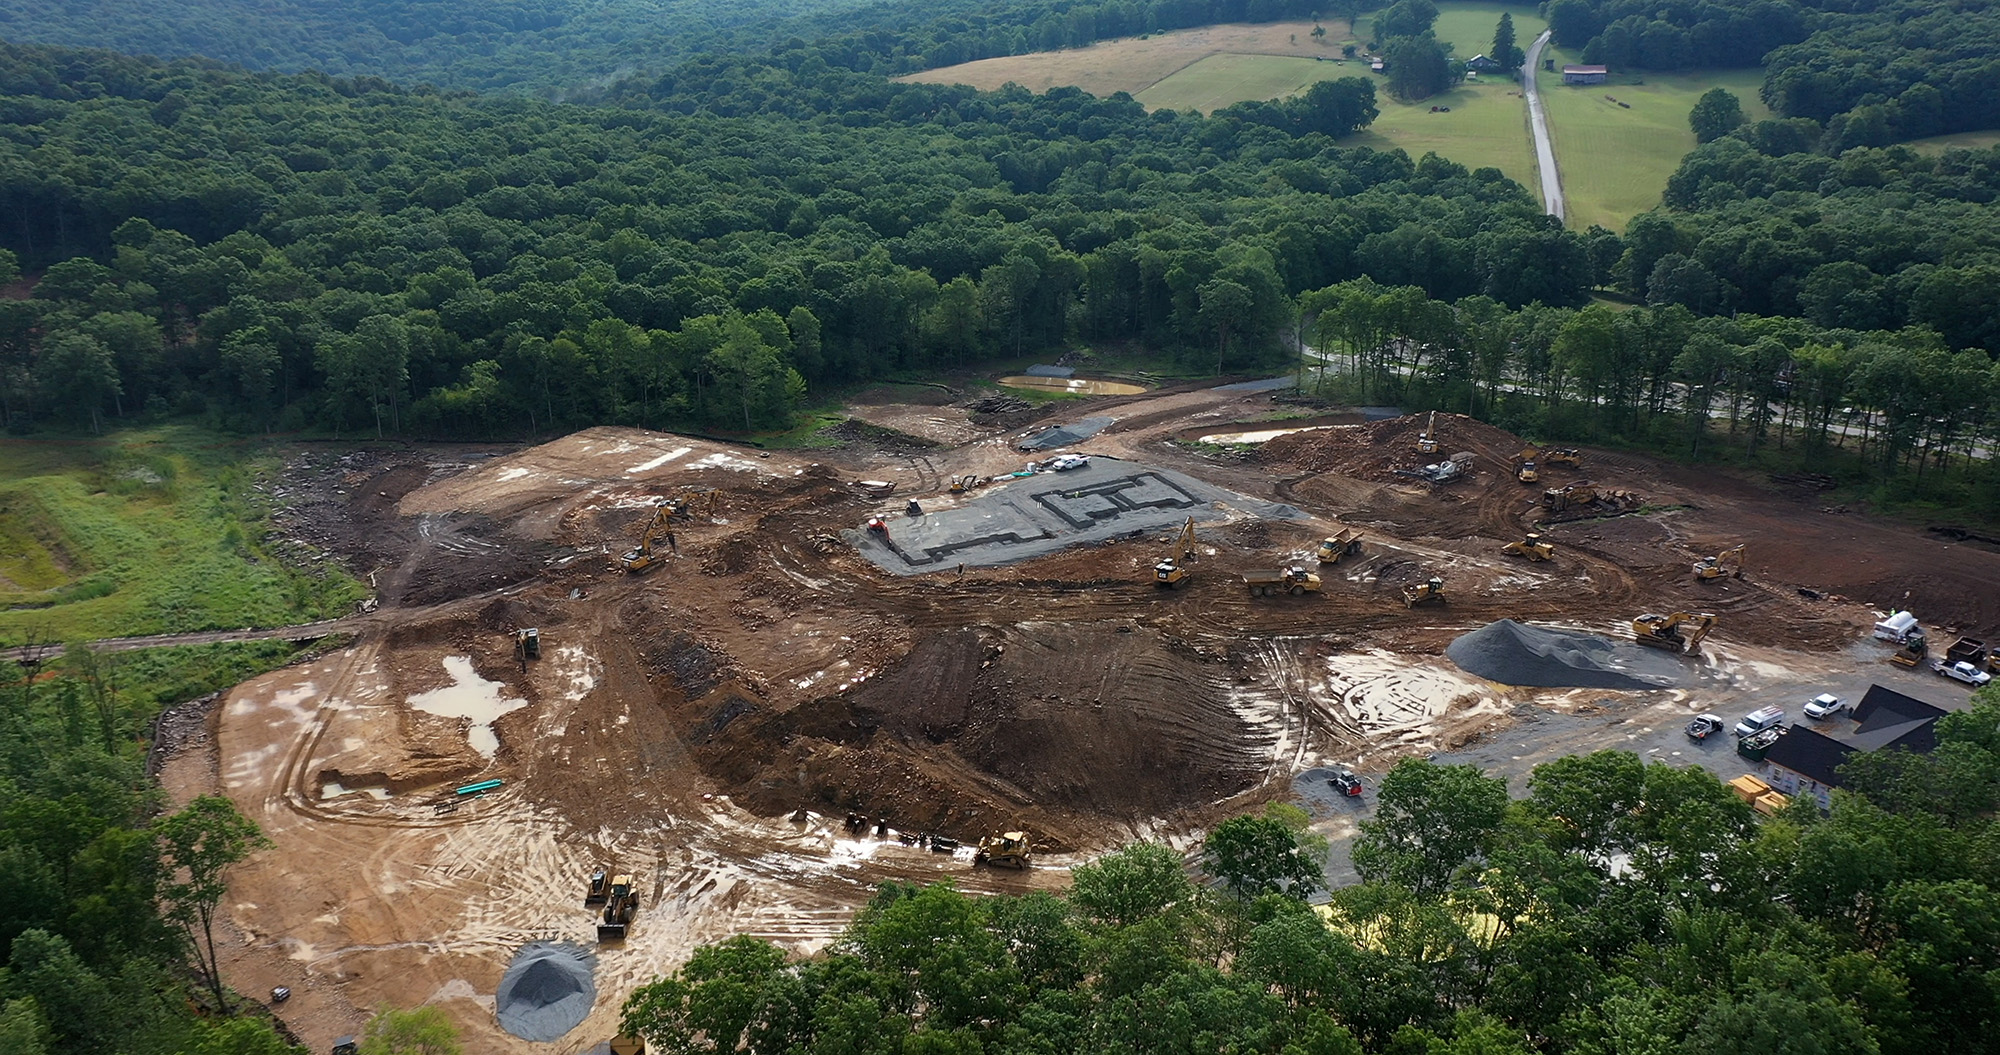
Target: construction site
x: 625, y: 692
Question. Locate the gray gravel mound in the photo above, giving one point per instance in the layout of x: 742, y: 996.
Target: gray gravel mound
x: 546, y: 991
x: 1514, y: 653
x: 1065, y: 435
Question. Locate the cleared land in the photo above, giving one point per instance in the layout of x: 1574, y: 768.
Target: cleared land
x: 1956, y: 141
x: 1134, y: 64
x: 1220, y: 80
x: 1487, y: 125
x: 1615, y: 159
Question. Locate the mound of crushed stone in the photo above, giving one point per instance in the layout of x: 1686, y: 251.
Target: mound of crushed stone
x: 1514, y: 653
x: 546, y: 991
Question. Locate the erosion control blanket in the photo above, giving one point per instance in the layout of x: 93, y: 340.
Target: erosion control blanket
x: 1514, y: 653
x: 546, y: 991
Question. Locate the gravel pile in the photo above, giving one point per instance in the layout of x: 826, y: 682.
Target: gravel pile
x: 1065, y: 435
x: 1513, y: 653
x: 546, y: 991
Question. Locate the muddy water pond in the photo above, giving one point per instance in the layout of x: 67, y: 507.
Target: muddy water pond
x: 471, y: 697
x: 1081, y: 386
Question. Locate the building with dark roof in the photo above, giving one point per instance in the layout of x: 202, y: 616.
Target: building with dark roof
x: 1585, y: 74
x: 1807, y: 762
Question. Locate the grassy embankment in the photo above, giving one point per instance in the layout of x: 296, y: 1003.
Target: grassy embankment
x: 146, y: 532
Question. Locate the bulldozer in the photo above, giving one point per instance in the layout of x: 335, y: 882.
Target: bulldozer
x: 1666, y: 631
x: 1344, y: 543
x: 619, y: 906
x: 643, y: 557
x: 1531, y: 547
x: 1559, y: 499
x: 1569, y: 456
x: 1006, y: 850
x: 1426, y: 593
x: 1294, y: 580
x: 1729, y: 562
x: 1427, y: 440
x: 1172, y: 568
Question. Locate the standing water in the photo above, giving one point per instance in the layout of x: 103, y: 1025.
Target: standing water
x: 469, y: 696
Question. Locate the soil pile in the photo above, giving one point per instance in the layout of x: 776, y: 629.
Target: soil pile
x: 1513, y: 653
x: 1374, y: 451
x: 546, y: 991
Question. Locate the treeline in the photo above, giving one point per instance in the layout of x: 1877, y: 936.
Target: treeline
x: 1759, y: 222
x: 1902, y: 402
x: 286, y: 251
x: 1648, y: 35
x: 1620, y: 907
x: 103, y: 896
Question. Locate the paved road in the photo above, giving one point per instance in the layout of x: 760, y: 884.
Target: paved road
x: 1538, y: 119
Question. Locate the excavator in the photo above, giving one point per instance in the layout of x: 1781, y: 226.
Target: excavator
x: 1531, y: 547
x: 1171, y: 569
x: 1427, y: 440
x: 644, y: 556
x: 1344, y: 543
x: 1728, y: 562
x: 1666, y: 631
x: 619, y: 906
x: 1006, y: 850
x: 1428, y: 593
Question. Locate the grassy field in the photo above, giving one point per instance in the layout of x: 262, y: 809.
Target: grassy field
x: 1487, y: 125
x: 1615, y: 160
x: 145, y: 532
x: 1135, y: 64
x: 1219, y: 80
x: 1956, y: 141
x: 1468, y: 26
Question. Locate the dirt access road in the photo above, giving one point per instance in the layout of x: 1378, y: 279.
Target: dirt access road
x: 709, y: 726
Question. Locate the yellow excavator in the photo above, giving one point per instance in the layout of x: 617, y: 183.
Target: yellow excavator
x: 643, y: 557
x: 1531, y: 547
x: 1427, y: 593
x: 1728, y: 562
x: 1427, y: 440
x: 1669, y: 631
x: 1344, y: 543
x: 1171, y: 569
x: 1006, y: 850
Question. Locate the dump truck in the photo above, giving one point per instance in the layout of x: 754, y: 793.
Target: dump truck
x: 1344, y: 543
x: 1966, y: 650
x: 1426, y: 593
x: 619, y: 907
x: 1293, y: 580
x: 1006, y: 850
x: 1531, y: 547
x: 1666, y: 631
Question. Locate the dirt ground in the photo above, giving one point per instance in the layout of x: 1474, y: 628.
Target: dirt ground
x: 710, y: 725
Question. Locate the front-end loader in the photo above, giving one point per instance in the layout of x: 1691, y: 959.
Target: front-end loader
x: 1531, y: 547
x: 619, y: 907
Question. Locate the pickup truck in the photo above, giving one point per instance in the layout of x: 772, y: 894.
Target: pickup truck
x: 1964, y: 672
x: 1824, y: 705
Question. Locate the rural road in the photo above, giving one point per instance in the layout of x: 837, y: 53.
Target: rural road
x: 1538, y: 120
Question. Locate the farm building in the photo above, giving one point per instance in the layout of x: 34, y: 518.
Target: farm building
x: 1375, y: 65
x: 1584, y: 74
x: 1481, y: 64
x: 1804, y: 762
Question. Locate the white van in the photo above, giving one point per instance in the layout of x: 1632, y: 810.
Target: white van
x: 1759, y: 720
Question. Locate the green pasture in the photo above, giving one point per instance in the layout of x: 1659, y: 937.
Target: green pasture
x: 1615, y: 160
x: 1220, y: 80
x: 1468, y: 27
x: 1487, y: 125
x: 143, y: 533
x: 1957, y: 141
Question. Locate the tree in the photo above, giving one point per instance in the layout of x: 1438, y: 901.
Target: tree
x: 1505, y: 52
x: 1430, y: 820
x: 1418, y: 67
x: 82, y: 373
x: 418, y: 1031
x: 22, y: 1031
x: 1225, y: 307
x: 1141, y: 881
x: 1716, y: 114
x: 198, y: 844
x: 1272, y: 854
x: 1405, y: 18
x: 709, y: 1004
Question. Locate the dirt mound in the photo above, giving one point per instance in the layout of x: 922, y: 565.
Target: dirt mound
x: 546, y: 991
x: 1374, y: 451
x: 1513, y: 653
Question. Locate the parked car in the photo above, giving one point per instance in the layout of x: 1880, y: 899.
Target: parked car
x: 1964, y: 672
x: 1346, y: 783
x: 1759, y: 720
x: 1824, y: 705
x: 1704, y: 726
x: 1063, y: 463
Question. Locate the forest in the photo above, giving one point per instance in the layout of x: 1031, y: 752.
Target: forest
x: 1620, y: 907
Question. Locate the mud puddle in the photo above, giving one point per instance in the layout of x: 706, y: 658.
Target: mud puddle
x: 471, y: 697
x: 1074, y: 385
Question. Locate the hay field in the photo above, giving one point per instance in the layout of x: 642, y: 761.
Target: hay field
x: 1134, y: 64
x: 1956, y: 141
x: 1615, y: 160
x: 1220, y: 80
x: 1487, y: 125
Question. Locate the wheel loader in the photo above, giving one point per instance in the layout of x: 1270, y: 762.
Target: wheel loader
x: 1344, y: 543
x: 1006, y: 850
x: 1666, y: 631
x: 1531, y: 547
x: 619, y: 907
x: 1428, y: 593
